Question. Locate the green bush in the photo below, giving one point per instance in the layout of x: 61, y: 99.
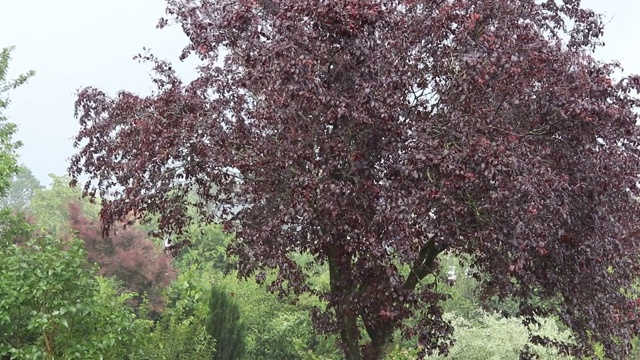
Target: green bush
x: 276, y: 328
x: 54, y: 306
x: 180, y: 333
x: 492, y: 337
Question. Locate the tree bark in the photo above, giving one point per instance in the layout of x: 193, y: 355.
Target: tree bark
x: 381, y: 334
x: 423, y: 265
x: 339, y: 275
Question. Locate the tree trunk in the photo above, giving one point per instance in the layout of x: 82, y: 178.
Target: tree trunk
x: 350, y: 337
x: 381, y: 334
x: 380, y: 330
x: 339, y: 281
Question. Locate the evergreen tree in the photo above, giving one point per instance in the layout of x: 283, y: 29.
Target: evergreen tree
x: 225, y: 326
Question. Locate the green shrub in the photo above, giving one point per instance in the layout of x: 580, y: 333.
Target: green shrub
x: 492, y: 337
x: 53, y: 306
x: 180, y: 332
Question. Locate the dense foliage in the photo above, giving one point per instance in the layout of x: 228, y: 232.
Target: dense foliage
x: 377, y: 135
x: 127, y: 255
x: 181, y: 331
x: 54, y: 307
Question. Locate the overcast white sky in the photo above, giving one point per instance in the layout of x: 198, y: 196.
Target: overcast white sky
x: 77, y: 43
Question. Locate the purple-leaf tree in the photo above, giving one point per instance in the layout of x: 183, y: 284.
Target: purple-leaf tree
x: 377, y: 135
x: 129, y: 256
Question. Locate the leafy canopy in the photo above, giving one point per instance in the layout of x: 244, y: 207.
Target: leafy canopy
x: 376, y: 135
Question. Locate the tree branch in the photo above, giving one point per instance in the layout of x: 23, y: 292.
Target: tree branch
x: 423, y: 265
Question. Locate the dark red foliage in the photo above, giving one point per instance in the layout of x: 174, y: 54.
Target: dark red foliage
x: 375, y: 133
x: 127, y: 255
